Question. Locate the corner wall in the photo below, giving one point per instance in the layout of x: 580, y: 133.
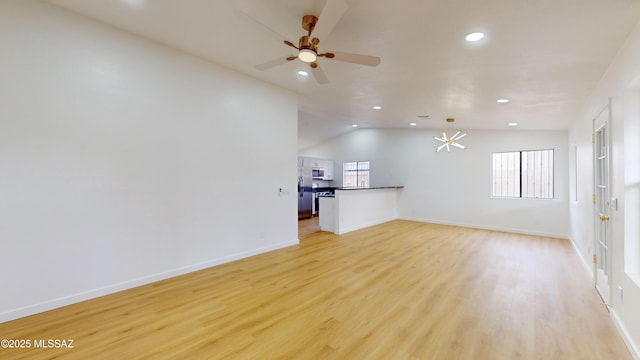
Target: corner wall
x: 617, y: 84
x: 123, y: 162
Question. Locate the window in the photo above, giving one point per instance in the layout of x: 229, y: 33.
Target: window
x: 632, y: 185
x: 355, y: 174
x: 523, y: 174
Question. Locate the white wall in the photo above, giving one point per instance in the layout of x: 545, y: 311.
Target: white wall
x: 621, y: 84
x: 455, y: 188
x: 123, y: 161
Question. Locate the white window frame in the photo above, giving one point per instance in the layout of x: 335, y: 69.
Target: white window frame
x: 523, y: 174
x: 360, y: 167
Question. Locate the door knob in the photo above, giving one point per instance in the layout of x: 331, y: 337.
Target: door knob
x: 604, y: 218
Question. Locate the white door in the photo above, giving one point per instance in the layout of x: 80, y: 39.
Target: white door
x: 601, y: 152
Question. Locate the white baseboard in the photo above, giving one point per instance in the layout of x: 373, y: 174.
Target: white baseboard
x: 634, y: 350
x: 485, y: 227
x: 95, y: 293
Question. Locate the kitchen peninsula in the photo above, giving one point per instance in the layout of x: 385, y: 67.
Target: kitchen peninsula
x: 354, y: 208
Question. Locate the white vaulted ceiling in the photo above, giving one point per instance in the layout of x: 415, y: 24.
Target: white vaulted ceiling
x: 544, y: 55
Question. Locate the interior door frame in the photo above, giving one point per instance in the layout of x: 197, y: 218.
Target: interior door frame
x: 598, y: 124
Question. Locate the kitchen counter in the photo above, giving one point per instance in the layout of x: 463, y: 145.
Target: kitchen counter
x: 370, y: 188
x: 351, y: 210
x: 324, y: 188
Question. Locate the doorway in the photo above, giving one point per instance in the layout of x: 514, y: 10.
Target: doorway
x: 308, y: 227
x: 602, y: 188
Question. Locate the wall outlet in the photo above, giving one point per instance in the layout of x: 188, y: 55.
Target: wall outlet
x: 261, y: 234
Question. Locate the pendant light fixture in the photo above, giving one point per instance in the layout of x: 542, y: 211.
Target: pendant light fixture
x: 447, y: 142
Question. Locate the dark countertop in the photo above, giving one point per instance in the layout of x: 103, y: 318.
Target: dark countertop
x: 324, y: 188
x: 370, y: 188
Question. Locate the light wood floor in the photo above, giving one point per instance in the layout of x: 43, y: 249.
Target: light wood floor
x: 401, y: 290
x: 308, y: 227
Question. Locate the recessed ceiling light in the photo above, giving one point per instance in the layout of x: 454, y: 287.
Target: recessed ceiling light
x: 354, y: 125
x: 502, y: 101
x: 512, y: 124
x: 303, y: 73
x: 377, y: 107
x: 136, y: 3
x: 413, y: 124
x: 474, y: 36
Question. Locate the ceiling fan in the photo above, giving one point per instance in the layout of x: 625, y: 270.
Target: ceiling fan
x: 319, y: 27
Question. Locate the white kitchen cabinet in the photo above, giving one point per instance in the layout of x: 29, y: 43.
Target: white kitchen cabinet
x: 328, y: 170
x: 314, y: 163
x: 326, y: 165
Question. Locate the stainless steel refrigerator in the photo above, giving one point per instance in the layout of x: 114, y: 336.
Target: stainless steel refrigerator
x: 305, y: 193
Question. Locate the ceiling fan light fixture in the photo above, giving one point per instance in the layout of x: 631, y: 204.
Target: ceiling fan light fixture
x: 307, y: 55
x: 307, y: 45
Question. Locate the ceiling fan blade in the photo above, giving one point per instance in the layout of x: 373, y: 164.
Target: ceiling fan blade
x: 329, y: 16
x: 357, y: 59
x: 328, y: 55
x: 289, y: 43
x: 273, y: 63
x: 320, y: 76
x: 258, y: 25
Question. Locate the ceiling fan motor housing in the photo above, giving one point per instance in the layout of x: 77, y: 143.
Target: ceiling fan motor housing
x: 309, y: 22
x: 305, y: 41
